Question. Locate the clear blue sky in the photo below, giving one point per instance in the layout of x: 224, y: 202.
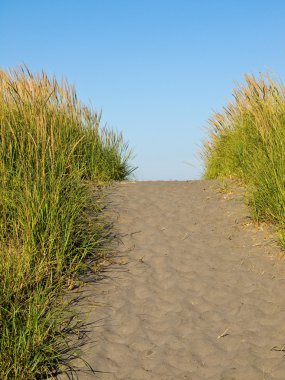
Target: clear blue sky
x: 156, y: 68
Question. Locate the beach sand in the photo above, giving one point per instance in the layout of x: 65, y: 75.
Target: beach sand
x: 197, y: 291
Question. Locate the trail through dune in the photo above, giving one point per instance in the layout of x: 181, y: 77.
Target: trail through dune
x: 198, y: 291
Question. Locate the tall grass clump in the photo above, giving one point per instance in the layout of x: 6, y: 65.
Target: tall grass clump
x: 247, y: 142
x: 51, y: 147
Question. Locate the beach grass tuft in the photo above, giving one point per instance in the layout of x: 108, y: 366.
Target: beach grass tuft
x: 51, y: 150
x: 247, y: 142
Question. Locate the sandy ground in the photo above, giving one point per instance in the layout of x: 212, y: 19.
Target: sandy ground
x: 198, y: 292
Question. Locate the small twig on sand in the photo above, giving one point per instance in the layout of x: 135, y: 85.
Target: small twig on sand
x: 225, y: 333
x: 275, y: 348
x: 186, y: 236
x: 135, y: 232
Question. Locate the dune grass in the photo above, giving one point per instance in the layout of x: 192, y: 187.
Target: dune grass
x: 247, y: 142
x: 51, y: 148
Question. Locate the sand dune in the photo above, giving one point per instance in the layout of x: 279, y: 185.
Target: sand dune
x: 201, y: 294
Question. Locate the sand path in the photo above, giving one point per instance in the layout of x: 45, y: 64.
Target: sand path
x: 201, y: 297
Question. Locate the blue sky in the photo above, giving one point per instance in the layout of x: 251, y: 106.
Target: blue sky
x: 157, y: 69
